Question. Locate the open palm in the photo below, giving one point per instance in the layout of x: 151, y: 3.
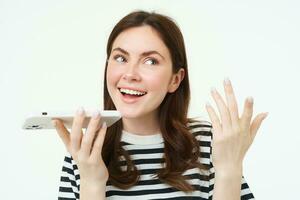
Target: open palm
x: 232, y: 135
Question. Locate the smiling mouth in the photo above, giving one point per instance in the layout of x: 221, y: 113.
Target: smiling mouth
x: 131, y: 94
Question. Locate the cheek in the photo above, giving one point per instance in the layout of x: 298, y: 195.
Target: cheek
x: 158, y: 82
x: 112, y: 76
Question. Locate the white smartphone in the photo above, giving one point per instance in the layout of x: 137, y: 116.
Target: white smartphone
x: 42, y: 120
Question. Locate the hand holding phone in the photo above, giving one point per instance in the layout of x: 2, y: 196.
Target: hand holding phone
x: 85, y: 148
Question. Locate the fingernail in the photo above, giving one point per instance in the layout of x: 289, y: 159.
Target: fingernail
x: 80, y: 111
x: 227, y: 81
x: 96, y: 114
x: 104, y: 125
x: 213, y: 89
x: 250, y: 99
x: 266, y: 114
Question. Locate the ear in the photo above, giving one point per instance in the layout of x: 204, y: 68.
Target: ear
x: 176, y: 80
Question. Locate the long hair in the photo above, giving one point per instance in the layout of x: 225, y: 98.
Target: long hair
x: 181, y: 149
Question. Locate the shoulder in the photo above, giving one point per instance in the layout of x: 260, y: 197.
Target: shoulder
x: 201, y: 130
x: 70, y: 179
x: 69, y: 165
x: 200, y: 127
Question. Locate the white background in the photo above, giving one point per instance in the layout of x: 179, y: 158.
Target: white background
x: 52, y: 57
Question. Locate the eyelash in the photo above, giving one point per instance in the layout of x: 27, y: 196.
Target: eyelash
x: 154, y: 60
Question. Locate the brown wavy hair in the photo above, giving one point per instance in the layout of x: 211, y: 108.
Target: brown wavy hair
x: 181, y: 149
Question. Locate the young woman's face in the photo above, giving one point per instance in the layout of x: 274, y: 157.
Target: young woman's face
x: 139, y: 72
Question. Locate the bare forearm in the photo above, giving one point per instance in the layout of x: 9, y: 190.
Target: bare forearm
x: 92, y: 192
x: 227, y: 186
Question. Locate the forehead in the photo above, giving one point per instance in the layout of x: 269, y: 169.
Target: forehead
x: 141, y: 39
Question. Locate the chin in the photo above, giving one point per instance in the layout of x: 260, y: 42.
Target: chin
x: 129, y: 113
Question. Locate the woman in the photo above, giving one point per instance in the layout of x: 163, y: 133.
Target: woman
x: 155, y: 151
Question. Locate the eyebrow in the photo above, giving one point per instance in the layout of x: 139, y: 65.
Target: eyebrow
x: 147, y: 53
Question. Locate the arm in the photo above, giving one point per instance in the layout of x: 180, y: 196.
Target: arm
x: 90, y: 191
x: 70, y: 190
x: 228, y: 185
x: 231, y: 138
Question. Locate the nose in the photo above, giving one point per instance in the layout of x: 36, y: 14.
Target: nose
x: 132, y: 73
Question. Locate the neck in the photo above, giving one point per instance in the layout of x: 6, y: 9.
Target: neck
x: 146, y: 125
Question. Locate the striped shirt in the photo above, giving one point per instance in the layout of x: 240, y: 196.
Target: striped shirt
x: 147, y: 154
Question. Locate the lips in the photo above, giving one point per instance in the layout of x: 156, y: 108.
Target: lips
x: 132, y: 90
x: 131, y: 95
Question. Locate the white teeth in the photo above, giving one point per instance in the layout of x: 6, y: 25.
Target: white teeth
x: 132, y: 92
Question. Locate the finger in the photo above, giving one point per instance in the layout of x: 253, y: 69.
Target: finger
x: 89, y: 136
x: 76, y: 130
x: 98, y: 144
x: 247, y: 113
x: 232, y: 104
x: 62, y: 132
x: 224, y: 113
x: 214, y: 118
x: 256, y: 124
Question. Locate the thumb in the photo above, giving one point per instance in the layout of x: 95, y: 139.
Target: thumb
x: 62, y: 131
x: 257, y: 123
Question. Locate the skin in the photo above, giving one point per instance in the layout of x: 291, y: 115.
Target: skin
x: 232, y: 135
x: 127, y: 67
x: 141, y: 117
x: 86, y: 153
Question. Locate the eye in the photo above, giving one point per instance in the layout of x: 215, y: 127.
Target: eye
x: 151, y: 61
x: 119, y: 58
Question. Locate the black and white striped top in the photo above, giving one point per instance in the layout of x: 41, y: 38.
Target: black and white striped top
x: 147, y: 153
